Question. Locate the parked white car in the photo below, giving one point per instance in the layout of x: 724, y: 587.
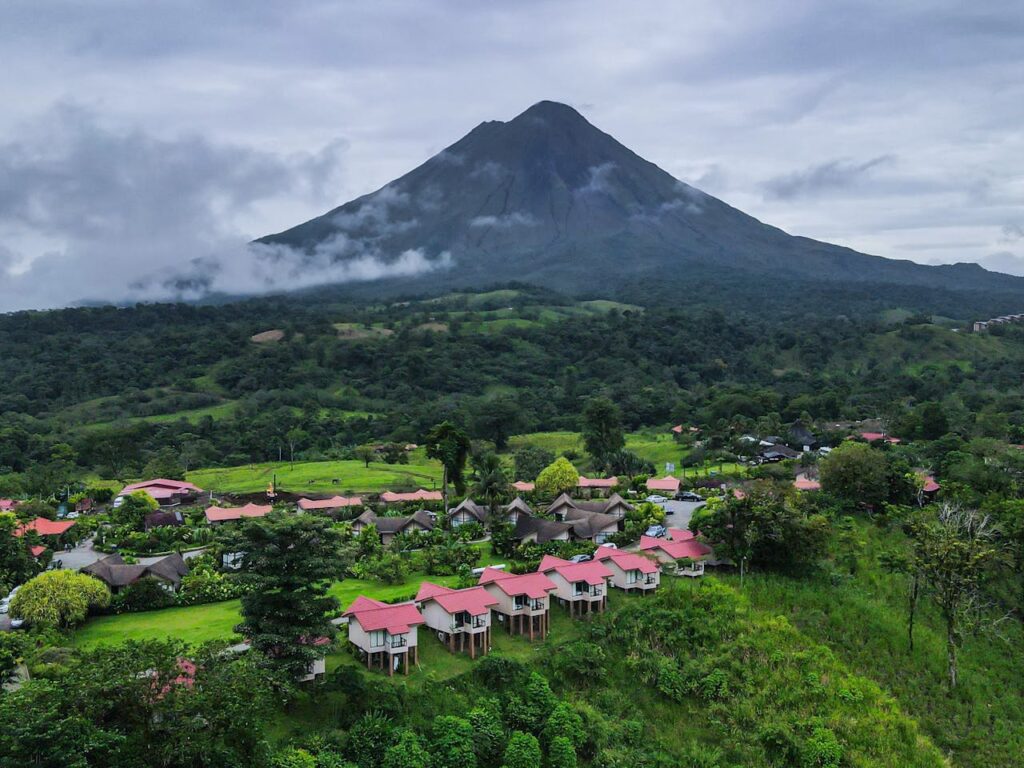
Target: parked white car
x: 656, y: 499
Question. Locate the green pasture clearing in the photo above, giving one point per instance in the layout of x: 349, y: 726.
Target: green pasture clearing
x: 319, y: 476
x: 193, y: 624
x: 655, y: 447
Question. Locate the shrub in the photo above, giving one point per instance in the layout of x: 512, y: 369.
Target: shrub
x: 523, y: 751
x: 59, y: 598
x: 144, y: 595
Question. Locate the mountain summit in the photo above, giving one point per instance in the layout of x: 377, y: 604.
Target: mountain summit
x: 548, y: 198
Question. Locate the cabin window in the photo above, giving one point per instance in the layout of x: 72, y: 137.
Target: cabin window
x: 376, y: 638
x: 632, y: 577
x: 519, y: 602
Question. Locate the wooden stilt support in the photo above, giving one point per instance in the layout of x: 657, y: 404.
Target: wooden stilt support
x: 406, y: 660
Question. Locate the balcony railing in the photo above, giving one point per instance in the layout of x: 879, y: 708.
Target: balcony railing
x: 398, y: 641
x: 651, y: 579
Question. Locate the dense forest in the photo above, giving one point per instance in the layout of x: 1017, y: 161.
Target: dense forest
x: 120, y: 385
x: 873, y: 621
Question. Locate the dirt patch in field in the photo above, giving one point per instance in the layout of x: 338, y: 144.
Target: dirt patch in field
x: 352, y: 331
x: 433, y: 327
x: 275, y: 334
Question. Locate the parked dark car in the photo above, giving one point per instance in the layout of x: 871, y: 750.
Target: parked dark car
x: 688, y: 496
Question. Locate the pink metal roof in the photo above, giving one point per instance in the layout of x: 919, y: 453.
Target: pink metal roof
x: 533, y: 585
x: 420, y: 495
x: 668, y: 483
x: 597, y: 482
x: 692, y: 549
x: 592, y: 571
x: 373, y: 615
x: 332, y: 503
x: 36, y: 550
x: 44, y: 527
x: 678, y: 429
x: 522, y: 485
x: 220, y: 514
x: 160, y: 482
x: 6, y: 505
x: 627, y: 561
x: 873, y: 437
x: 475, y: 601
x: 804, y: 483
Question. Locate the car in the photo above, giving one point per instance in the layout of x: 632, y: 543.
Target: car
x: 73, y: 515
x: 610, y: 545
x: 656, y: 531
x: 656, y: 499
x: 580, y: 558
x: 5, y: 606
x: 17, y: 623
x: 688, y: 496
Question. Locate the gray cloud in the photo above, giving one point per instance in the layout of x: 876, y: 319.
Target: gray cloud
x: 90, y: 213
x: 598, y: 181
x: 825, y: 177
x: 725, y: 96
x: 505, y: 220
x: 1012, y: 233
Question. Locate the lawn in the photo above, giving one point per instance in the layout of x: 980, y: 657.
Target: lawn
x: 215, y: 621
x: 320, y: 476
x: 194, y: 624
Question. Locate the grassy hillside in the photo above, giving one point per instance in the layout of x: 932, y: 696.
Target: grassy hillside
x: 862, y: 619
x: 319, y: 476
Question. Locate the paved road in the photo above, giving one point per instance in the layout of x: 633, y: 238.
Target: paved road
x: 84, y: 555
x: 678, y: 513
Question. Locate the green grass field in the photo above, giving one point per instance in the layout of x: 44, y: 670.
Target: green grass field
x: 216, y: 621
x: 193, y: 624
x: 319, y: 476
x: 657, y: 447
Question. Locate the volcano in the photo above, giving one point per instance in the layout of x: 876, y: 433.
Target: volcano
x: 549, y: 199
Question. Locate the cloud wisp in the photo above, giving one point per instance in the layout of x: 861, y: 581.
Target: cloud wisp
x: 88, y: 213
x: 824, y: 177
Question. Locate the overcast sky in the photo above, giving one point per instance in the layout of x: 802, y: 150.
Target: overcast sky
x: 136, y: 137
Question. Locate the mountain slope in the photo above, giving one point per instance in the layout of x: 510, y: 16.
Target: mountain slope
x: 548, y: 198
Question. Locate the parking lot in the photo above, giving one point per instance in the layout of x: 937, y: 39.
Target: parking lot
x: 678, y: 513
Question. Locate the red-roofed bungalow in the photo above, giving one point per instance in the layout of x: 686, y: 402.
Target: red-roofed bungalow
x: 596, y: 485
x: 386, y: 634
x: 583, y: 587
x: 45, y: 527
x: 215, y: 515
x: 805, y: 483
x: 670, y: 551
x: 390, y: 497
x: 523, y: 600
x: 874, y: 437
x: 165, y: 492
x: 329, y: 505
x: 461, y: 617
x: 665, y: 484
x: 630, y: 571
